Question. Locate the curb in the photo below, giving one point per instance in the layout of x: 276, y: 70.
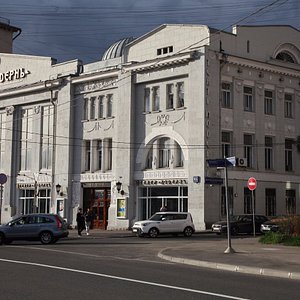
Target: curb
x: 231, y: 268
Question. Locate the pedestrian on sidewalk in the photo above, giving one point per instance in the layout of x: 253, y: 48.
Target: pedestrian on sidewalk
x: 80, y: 221
x: 88, y: 220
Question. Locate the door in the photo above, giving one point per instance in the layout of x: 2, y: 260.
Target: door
x: 100, y: 208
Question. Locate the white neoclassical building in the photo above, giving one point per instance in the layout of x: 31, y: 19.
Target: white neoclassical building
x: 134, y: 130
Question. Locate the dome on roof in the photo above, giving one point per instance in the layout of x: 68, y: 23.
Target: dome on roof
x: 116, y: 49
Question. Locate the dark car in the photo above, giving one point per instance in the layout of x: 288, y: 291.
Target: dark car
x: 240, y: 224
x: 47, y: 228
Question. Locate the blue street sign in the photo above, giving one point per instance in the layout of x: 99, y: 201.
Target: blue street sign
x: 221, y: 162
x: 214, y: 180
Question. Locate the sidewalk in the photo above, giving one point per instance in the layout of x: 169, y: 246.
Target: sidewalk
x: 250, y: 257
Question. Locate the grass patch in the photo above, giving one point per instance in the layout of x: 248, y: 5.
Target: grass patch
x: 279, y: 238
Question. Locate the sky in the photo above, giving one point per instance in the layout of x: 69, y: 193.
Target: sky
x: 84, y: 29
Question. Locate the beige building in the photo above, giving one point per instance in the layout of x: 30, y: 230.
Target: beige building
x: 134, y: 131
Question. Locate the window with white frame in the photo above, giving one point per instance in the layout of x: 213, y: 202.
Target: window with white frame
x: 248, y: 149
x: 27, y: 205
x: 47, y: 137
x: 109, y: 113
x: 180, y: 94
x: 2, y: 138
x: 109, y: 154
x: 269, y: 153
x: 289, y: 154
x: 248, y: 99
x: 156, y: 99
x: 170, y: 96
x: 288, y: 105
x: 270, y: 202
x: 226, y: 101
x: 26, y: 139
x: 269, y: 103
x: 226, y: 143
x: 290, y: 200
x: 164, y: 153
x: 100, y: 107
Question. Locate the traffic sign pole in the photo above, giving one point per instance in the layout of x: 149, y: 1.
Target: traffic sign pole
x: 252, y: 186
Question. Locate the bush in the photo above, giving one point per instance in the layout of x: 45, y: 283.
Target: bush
x: 279, y: 238
x: 288, y: 225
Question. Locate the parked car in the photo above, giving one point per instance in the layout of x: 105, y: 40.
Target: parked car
x: 240, y: 224
x: 47, y: 228
x: 268, y: 226
x: 165, y: 222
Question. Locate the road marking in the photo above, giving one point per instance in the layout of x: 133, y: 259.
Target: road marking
x: 94, y: 255
x: 122, y: 278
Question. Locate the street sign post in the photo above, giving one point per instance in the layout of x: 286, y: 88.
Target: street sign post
x: 252, y: 186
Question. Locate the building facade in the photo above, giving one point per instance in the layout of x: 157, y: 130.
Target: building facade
x: 133, y: 132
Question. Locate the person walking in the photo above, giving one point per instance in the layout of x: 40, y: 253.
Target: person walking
x: 80, y: 221
x: 88, y: 220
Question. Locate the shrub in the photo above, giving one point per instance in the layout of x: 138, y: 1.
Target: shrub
x: 288, y: 225
x: 279, y: 238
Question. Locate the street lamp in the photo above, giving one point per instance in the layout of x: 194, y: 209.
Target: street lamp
x: 118, y: 186
x: 58, y: 186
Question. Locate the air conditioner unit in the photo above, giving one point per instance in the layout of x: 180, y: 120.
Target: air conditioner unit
x: 241, y: 162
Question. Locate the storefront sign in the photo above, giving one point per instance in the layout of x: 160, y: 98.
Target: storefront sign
x: 163, y: 182
x: 121, y: 208
x: 13, y: 75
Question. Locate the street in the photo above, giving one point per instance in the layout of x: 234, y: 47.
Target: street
x: 117, y: 266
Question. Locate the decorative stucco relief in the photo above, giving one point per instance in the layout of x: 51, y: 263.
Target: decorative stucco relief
x: 94, y: 85
x: 9, y: 110
x: 289, y: 129
x: 94, y: 126
x: 279, y: 93
x: 238, y: 85
x: 164, y: 120
x: 96, y: 177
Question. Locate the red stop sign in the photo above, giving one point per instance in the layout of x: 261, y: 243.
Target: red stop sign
x: 251, y: 183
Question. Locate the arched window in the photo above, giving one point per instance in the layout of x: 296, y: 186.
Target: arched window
x: 286, y: 57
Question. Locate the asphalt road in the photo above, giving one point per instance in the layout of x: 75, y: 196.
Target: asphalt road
x: 122, y: 268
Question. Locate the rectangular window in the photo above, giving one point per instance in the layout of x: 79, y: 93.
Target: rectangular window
x: 226, y: 95
x: 99, y: 155
x: 109, y: 106
x: 288, y: 105
x: 87, y: 155
x: 226, y: 144
x: 248, y: 201
x: 290, y: 200
x: 26, y: 139
x: 248, y: 99
x: 269, y: 153
x: 156, y: 99
x: 146, y: 100
x: 289, y: 154
x: 248, y: 149
x: 170, y: 96
x: 47, y: 137
x: 85, y: 109
x: 109, y: 154
x: 180, y: 94
x: 269, y: 103
x: 230, y: 201
x: 92, y: 108
x: 270, y: 202
x: 164, y: 152
x: 101, y: 107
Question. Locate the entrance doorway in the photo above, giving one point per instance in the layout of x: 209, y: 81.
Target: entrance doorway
x: 98, y: 200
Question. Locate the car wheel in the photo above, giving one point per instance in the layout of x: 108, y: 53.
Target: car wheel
x: 46, y: 237
x: 188, y: 231
x: 153, y: 232
x: 2, y: 238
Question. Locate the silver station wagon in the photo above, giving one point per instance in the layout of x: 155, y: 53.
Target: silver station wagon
x: 47, y: 228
